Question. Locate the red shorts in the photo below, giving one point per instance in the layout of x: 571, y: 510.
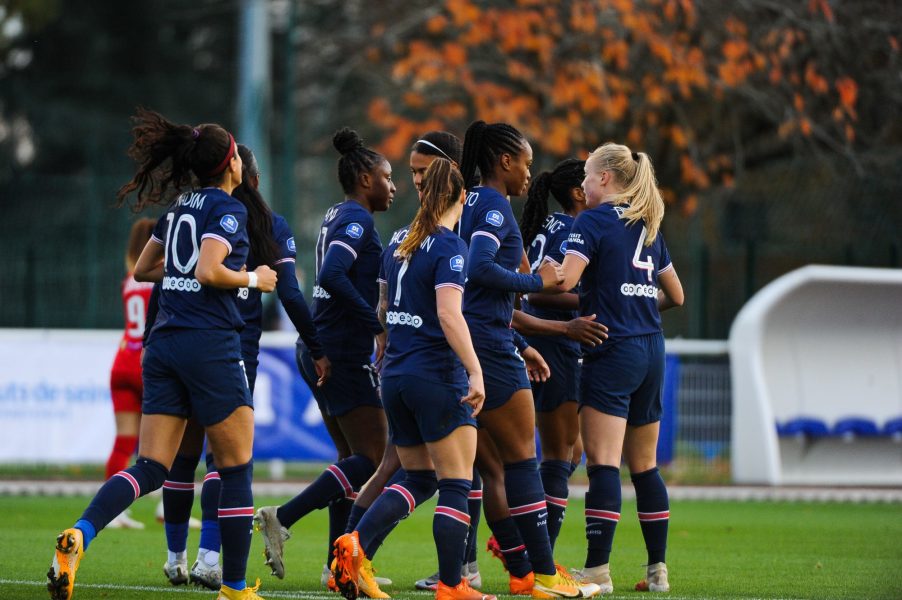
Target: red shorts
x: 125, y: 381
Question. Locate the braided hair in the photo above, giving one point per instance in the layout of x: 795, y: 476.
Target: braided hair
x: 171, y: 157
x: 355, y: 158
x: 565, y: 176
x: 259, y: 216
x: 484, y: 144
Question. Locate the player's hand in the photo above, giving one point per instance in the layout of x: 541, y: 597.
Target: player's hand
x: 323, y: 367
x: 586, y: 330
x: 266, y: 278
x: 536, y: 367
x: 552, y: 274
x: 381, y: 340
x: 476, y: 395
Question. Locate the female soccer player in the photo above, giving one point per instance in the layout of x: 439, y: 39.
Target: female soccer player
x: 431, y: 386
x: 125, y: 376
x: 555, y: 399
x: 272, y: 244
x: 192, y: 363
x: 345, y: 296
x: 503, y: 157
x: 617, y: 253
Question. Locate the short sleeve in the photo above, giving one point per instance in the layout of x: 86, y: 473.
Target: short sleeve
x: 665, y: 263
x: 352, y: 231
x: 227, y: 223
x: 557, y: 245
x: 493, y: 219
x: 284, y: 240
x: 582, y: 241
x: 158, y: 234
x: 450, y: 267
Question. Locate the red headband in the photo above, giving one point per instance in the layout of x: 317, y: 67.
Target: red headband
x: 221, y: 166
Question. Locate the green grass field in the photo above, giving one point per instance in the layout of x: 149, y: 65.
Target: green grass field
x: 716, y: 550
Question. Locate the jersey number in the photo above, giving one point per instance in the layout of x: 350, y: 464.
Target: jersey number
x: 321, y: 248
x: 643, y: 265
x: 401, y: 272
x: 172, y: 234
x: 134, y: 316
x: 540, y: 241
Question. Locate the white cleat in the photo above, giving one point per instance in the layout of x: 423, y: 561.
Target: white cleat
x: 124, y: 520
x: 274, y: 536
x: 206, y: 575
x: 655, y: 579
x: 600, y: 576
x: 176, y: 572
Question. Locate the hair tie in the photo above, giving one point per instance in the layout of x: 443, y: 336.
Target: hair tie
x: 635, y: 156
x: 195, y: 133
x: 431, y: 145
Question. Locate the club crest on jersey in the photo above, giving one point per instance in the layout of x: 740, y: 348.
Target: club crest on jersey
x: 229, y: 223
x: 290, y: 243
x: 457, y: 263
x: 493, y: 217
x: 354, y: 230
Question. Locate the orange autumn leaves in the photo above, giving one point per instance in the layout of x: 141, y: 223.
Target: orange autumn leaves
x: 573, y: 74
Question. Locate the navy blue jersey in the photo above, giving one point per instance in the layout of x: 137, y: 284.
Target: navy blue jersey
x: 488, y: 305
x: 551, y: 242
x: 207, y: 213
x: 416, y: 342
x: 250, y: 300
x: 620, y: 283
x: 343, y: 320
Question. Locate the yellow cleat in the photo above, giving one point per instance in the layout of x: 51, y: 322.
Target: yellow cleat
x: 61, y: 576
x: 248, y: 593
x: 555, y: 586
x: 367, y: 584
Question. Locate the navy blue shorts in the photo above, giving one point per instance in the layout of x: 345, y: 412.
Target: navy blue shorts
x: 250, y: 352
x: 626, y: 379
x: 422, y: 410
x: 503, y: 372
x: 563, y: 385
x: 352, y: 384
x: 195, y: 372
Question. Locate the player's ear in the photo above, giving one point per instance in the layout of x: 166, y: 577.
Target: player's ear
x: 577, y: 194
x: 505, y: 161
x: 365, y: 180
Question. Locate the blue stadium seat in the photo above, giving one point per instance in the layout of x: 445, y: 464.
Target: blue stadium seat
x: 803, y: 426
x: 855, y: 426
x: 893, y: 427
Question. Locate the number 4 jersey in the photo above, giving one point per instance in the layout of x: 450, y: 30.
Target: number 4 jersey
x: 620, y: 283
x: 195, y: 216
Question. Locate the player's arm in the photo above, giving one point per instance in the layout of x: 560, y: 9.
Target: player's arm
x: 333, y: 277
x: 292, y: 298
x: 584, y: 330
x: 211, y: 272
x: 670, y: 290
x: 568, y: 301
x: 448, y: 301
x: 573, y: 267
x: 149, y: 266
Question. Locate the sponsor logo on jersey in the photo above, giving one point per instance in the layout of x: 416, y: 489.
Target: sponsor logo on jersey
x: 494, y: 217
x: 403, y: 318
x: 637, y: 289
x: 290, y: 244
x: 576, y: 238
x: 181, y: 284
x: 229, y: 223
x: 243, y: 293
x: 319, y: 292
x: 457, y: 263
x: 354, y: 230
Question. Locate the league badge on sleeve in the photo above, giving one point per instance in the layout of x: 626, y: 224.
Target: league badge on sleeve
x: 229, y: 223
x: 564, y: 247
x: 494, y: 217
x: 354, y: 230
x: 457, y: 263
x: 290, y: 244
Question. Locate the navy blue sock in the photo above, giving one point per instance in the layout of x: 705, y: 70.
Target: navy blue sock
x: 526, y: 499
x: 474, y: 508
x: 339, y: 513
x: 395, y: 503
x: 602, y: 512
x: 573, y: 467
x: 236, y: 513
x: 378, y: 539
x: 450, y: 526
x: 338, y: 481
x: 120, y: 491
x: 209, y: 508
x: 512, y: 547
x: 357, y: 512
x: 555, y: 474
x: 178, y: 496
x: 653, y: 507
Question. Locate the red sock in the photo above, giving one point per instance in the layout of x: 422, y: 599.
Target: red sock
x: 123, y: 449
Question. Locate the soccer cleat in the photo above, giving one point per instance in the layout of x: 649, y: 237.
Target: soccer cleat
x: 274, y: 536
x: 587, y: 589
x: 521, y: 586
x: 461, y: 591
x: 367, y: 585
x: 61, y: 576
x: 600, y: 576
x: 494, y: 547
x: 469, y: 571
x: 555, y: 586
x: 206, y: 575
x: 248, y: 593
x: 655, y: 579
x: 327, y: 580
x: 124, y: 520
x: 346, y: 566
x: 176, y: 572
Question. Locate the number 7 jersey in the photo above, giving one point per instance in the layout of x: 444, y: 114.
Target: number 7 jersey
x: 208, y: 213
x: 620, y: 283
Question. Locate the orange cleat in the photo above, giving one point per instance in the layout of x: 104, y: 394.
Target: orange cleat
x: 461, y: 591
x: 346, y: 566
